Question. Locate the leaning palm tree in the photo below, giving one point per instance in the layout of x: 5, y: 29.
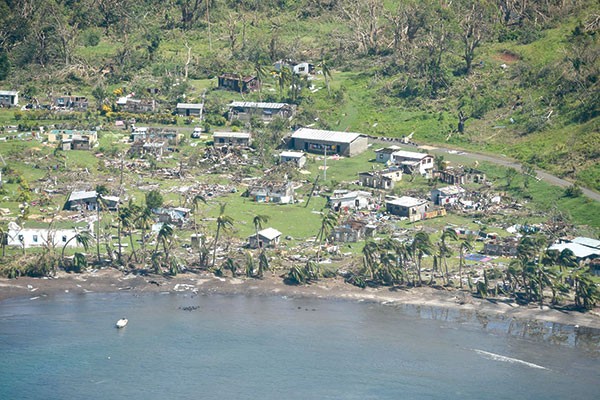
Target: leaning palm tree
x: 82, y: 238
x: 258, y: 222
x: 420, y: 246
x: 224, y: 222
x: 369, y: 252
x: 444, y: 250
x: 165, y: 234
x: 144, y: 221
x: 465, y: 246
x: 328, y: 222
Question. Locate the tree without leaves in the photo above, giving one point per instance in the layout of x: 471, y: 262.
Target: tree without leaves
x: 224, y: 222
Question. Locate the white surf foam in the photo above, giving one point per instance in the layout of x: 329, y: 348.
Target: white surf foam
x: 498, y: 357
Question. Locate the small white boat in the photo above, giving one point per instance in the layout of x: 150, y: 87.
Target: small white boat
x: 121, y: 323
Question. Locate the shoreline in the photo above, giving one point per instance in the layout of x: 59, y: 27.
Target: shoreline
x: 111, y: 280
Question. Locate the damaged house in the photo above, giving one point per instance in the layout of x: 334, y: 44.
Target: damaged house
x: 271, y: 192
x: 384, y: 179
x: 448, y: 195
x: 232, y: 138
x: 413, y: 163
x: 459, y: 176
x: 352, y: 230
x: 296, y: 157
x: 40, y: 237
x: 246, y: 110
x: 238, y: 83
x: 88, y: 200
x: 345, y: 200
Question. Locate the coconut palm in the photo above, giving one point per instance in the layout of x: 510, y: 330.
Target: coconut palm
x: 324, y: 65
x: 165, y: 234
x: 261, y: 74
x: 250, y: 265
x: 224, y: 222
x: 369, y: 252
x: 82, y: 238
x: 128, y: 216
x: 284, y: 76
x: 465, y: 246
x: 79, y: 262
x: 420, y: 246
x: 263, y: 264
x: 3, y: 240
x: 258, y: 222
x: 144, y: 220
x: 444, y: 250
x: 231, y: 265
x: 328, y: 222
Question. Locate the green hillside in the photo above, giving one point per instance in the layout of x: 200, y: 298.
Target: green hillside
x: 524, y: 76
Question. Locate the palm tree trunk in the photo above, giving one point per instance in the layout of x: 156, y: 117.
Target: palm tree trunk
x: 98, y: 232
x: 215, y: 247
x: 133, y: 253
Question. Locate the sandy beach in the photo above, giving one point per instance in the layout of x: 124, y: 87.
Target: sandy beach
x: 111, y: 280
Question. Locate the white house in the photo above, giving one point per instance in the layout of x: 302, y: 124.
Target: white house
x: 38, y: 237
x: 356, y: 200
x: 413, y: 162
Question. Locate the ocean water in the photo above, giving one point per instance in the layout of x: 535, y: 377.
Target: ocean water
x: 238, y: 347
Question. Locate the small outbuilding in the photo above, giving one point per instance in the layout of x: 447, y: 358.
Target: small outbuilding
x: 296, y: 157
x: 266, y: 238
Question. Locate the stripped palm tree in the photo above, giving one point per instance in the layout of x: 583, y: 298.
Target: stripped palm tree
x: 224, y: 222
x: 324, y: 65
x: 144, y: 220
x: 261, y: 74
x: 444, y: 250
x: 465, y: 246
x: 328, y: 222
x: 165, y: 234
x: 420, y: 246
x: 258, y: 222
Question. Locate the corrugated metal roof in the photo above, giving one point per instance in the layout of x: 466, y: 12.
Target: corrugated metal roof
x: 325, y: 136
x: 292, y: 154
x: 409, y: 155
x: 269, y: 233
x: 252, y: 104
x: 450, y: 190
x: 579, y: 250
x: 238, y: 135
x: 82, y: 195
x: 8, y: 92
x: 406, y: 201
x: 589, y: 242
x: 194, y: 106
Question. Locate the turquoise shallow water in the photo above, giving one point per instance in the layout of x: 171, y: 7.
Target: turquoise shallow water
x: 66, y: 347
